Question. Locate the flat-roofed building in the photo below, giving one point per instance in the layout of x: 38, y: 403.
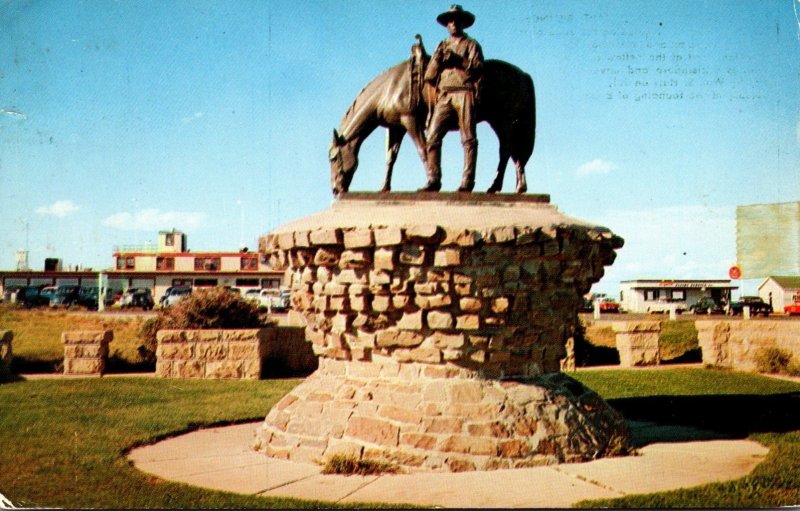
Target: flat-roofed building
x: 660, y: 295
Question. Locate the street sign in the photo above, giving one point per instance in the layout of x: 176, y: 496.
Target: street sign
x: 735, y: 272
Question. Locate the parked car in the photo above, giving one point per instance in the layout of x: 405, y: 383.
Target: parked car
x: 87, y: 297
x: 137, y: 297
x: 756, y: 304
x: 587, y: 305
x: 31, y: 296
x: 706, y: 305
x: 65, y: 296
x: 173, y: 295
x: 269, y: 299
x: 793, y: 309
x: 609, y: 305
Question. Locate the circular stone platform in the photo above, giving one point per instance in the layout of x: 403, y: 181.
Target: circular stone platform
x: 440, y: 320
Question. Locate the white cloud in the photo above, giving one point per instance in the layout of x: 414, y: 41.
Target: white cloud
x: 13, y: 113
x: 154, y: 219
x: 193, y: 117
x: 596, y: 166
x: 60, y: 208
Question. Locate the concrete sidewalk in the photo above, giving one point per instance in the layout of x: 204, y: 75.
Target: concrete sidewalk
x: 220, y: 458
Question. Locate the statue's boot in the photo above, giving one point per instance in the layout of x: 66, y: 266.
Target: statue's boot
x: 433, y: 168
x: 470, y: 162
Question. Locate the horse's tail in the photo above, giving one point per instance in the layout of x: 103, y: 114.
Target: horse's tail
x: 525, y: 134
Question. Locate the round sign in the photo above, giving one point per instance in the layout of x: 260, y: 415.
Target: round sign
x: 735, y: 272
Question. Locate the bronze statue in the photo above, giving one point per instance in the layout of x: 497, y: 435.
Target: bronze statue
x: 398, y: 100
x: 455, y: 71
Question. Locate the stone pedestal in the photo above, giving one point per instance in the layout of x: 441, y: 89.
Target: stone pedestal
x: 467, y: 289
x: 637, y: 342
x: 86, y: 351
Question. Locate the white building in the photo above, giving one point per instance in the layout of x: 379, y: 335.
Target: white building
x: 779, y: 291
x: 652, y: 295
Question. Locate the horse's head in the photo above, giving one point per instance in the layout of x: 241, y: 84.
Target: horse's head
x: 344, y: 162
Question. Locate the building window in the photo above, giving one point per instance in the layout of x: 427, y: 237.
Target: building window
x: 679, y: 295
x: 271, y: 283
x: 169, y: 239
x: 651, y: 295
x: 246, y: 282
x: 181, y: 282
x: 165, y: 263
x: 205, y: 282
x: 126, y: 263
x: 206, y: 263
x: 249, y: 263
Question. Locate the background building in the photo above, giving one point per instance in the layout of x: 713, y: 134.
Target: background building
x: 651, y: 295
x: 169, y: 263
x: 779, y: 291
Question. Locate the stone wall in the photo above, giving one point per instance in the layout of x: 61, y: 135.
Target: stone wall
x: 637, y: 342
x: 501, y: 300
x: 232, y: 354
x: 436, y: 418
x: 86, y: 351
x: 734, y: 344
x: 6, y: 336
x: 225, y: 354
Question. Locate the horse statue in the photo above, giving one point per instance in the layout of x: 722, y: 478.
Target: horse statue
x: 399, y: 101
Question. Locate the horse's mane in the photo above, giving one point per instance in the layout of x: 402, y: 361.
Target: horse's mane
x: 356, y: 105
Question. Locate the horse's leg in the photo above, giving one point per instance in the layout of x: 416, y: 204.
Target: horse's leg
x: 505, y: 154
x: 394, y: 137
x: 417, y: 136
x: 522, y: 184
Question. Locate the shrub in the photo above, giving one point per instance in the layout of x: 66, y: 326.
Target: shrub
x: 215, y: 308
x: 349, y: 465
x: 772, y: 360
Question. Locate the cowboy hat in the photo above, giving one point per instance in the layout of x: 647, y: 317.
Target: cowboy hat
x: 456, y: 12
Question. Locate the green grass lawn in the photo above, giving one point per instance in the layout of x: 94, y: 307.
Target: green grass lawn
x: 63, y: 442
x: 734, y: 404
x: 37, y: 335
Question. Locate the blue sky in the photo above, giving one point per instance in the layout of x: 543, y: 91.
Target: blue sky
x: 119, y: 119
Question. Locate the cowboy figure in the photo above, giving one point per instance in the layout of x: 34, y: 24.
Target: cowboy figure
x: 455, y: 71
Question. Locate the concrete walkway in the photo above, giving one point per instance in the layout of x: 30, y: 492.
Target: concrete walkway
x: 220, y: 458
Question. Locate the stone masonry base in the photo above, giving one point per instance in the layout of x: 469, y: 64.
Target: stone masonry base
x: 439, y: 418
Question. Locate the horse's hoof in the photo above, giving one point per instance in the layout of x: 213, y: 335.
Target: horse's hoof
x: 466, y: 188
x: 522, y: 189
x: 431, y: 187
x: 493, y: 189
x: 385, y: 189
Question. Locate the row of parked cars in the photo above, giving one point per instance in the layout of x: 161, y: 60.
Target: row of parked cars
x: 70, y: 295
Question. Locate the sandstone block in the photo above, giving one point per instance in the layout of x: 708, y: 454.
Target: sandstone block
x: 373, y: 430
x: 384, y: 259
x: 410, y: 321
x: 468, y: 322
x: 461, y: 237
x: 84, y: 366
x: 447, y: 257
x: 500, y: 305
x: 427, y: 355
x: 426, y: 234
x: 382, y: 303
x: 223, y: 369
x: 358, y: 238
x: 470, y: 304
x: 355, y: 259
x: 325, y: 237
x: 286, y: 240
x: 393, y: 338
x: 388, y: 236
x: 439, y: 320
x: 327, y: 256
x: 400, y: 301
x: 437, y: 301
